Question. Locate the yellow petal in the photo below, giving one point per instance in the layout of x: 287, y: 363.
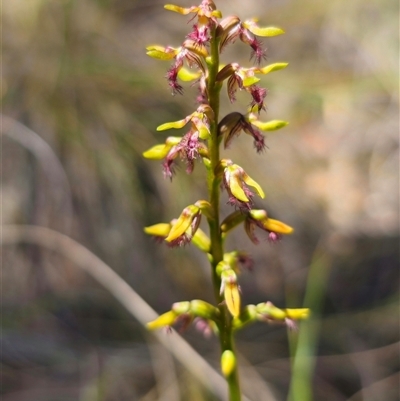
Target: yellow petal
x: 277, y: 226
x: 272, y: 67
x: 270, y: 125
x: 158, y: 230
x: 183, y: 223
x: 177, y: 9
x: 185, y: 75
x: 166, y: 319
x: 173, y: 124
x: 157, y: 152
x: 249, y: 181
x: 232, y: 298
x: 298, y: 314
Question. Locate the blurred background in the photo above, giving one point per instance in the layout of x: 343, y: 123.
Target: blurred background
x: 80, y: 103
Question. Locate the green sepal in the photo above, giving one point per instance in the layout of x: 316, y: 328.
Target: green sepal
x: 267, y: 31
x: 201, y: 240
x: 272, y: 125
x: 250, y: 81
x: 172, y: 124
x: 158, y: 52
x: 185, y: 75
x: 166, y: 319
x: 158, y: 152
x: 216, y: 13
x: 272, y: 67
x: 207, y: 162
x: 204, y: 133
x: 177, y: 9
x: 158, y: 230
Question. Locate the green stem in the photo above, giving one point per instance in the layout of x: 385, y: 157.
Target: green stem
x: 217, y: 250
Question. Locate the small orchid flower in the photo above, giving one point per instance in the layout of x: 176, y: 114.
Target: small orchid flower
x: 269, y: 312
x: 207, y: 10
x: 184, y: 228
x: 191, y: 52
x: 200, y: 119
x: 236, y: 181
x: 232, y: 125
x: 232, y: 28
x: 274, y: 228
x: 245, y: 79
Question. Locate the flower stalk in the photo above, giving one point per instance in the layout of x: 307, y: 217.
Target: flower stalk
x: 198, y: 60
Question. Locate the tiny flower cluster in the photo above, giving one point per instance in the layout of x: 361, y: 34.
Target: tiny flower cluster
x: 196, y: 60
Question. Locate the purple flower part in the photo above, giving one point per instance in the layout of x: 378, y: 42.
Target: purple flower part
x: 158, y: 239
x: 202, y: 98
x: 259, y: 141
x: 237, y: 204
x: 235, y: 82
x: 203, y: 327
x: 172, y: 77
x: 199, y: 35
x: 168, y: 168
x: 242, y: 206
x: 291, y: 324
x: 258, y: 94
x: 274, y: 237
x: 192, y: 146
x: 192, y: 59
x: 188, y: 148
x: 168, y: 329
x: 245, y: 261
x: 249, y: 226
x: 231, y: 37
x: 258, y: 53
x: 182, y: 240
x: 183, y: 321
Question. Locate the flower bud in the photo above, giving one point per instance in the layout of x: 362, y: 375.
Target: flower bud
x: 228, y: 362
